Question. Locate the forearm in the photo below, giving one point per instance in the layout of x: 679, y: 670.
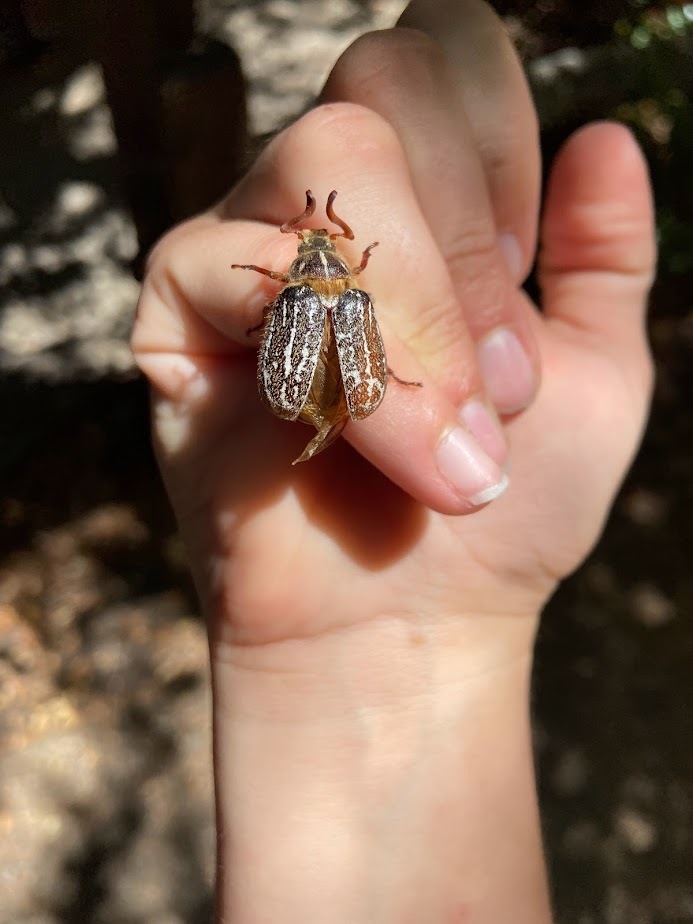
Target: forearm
x: 379, y: 775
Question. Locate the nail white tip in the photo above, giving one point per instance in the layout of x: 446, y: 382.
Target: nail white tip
x: 489, y: 494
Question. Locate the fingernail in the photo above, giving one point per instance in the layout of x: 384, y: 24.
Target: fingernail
x: 485, y: 426
x: 472, y: 473
x: 512, y: 254
x: 506, y: 371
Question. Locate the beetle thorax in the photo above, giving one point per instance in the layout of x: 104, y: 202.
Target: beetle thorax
x: 319, y: 265
x: 316, y: 240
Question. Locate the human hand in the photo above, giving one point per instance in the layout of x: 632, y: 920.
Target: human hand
x: 355, y: 564
x: 459, y: 169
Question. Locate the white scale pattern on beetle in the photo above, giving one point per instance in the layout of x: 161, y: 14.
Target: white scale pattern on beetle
x: 364, y: 370
x: 291, y: 348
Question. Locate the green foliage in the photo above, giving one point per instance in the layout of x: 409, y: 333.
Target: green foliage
x: 662, y: 119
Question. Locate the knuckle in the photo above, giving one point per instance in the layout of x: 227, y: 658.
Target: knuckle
x: 439, y: 336
x: 160, y: 296
x: 473, y: 240
x: 333, y: 128
x: 163, y: 250
x: 473, y: 262
x: 621, y: 252
x: 377, y: 62
x: 395, y: 50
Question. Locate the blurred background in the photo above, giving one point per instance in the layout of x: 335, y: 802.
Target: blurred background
x: 119, y: 118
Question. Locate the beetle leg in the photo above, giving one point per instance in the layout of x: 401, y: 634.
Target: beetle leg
x: 365, y: 257
x: 282, y: 277
x: 401, y: 381
x: 251, y: 330
x: 266, y: 312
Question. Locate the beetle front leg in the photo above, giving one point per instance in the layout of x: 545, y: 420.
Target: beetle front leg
x: 282, y: 277
x: 364, y: 259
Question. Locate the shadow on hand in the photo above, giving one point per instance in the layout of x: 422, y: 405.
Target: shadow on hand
x: 236, y: 464
x: 371, y: 519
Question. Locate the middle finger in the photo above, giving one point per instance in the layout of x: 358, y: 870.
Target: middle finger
x: 404, y: 76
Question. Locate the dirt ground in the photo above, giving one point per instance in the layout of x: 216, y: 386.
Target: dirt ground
x: 105, y: 775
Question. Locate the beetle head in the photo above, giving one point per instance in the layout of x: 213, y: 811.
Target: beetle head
x: 315, y: 240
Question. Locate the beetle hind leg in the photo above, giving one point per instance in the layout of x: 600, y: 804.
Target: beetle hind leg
x: 257, y: 327
x: 365, y: 257
x: 401, y: 381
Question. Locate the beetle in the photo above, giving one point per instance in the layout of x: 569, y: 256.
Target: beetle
x: 321, y: 357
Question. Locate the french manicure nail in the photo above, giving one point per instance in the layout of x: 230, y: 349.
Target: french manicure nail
x: 506, y: 371
x: 485, y: 426
x: 470, y: 471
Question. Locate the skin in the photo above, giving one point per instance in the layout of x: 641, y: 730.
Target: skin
x: 371, y: 629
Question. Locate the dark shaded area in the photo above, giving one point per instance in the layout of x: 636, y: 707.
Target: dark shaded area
x: 613, y: 678
x: 614, y: 686
x: 102, y: 661
x: 552, y: 24
x: 165, y: 87
x: 105, y: 792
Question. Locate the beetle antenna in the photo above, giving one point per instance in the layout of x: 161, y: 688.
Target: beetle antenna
x: 346, y: 230
x: 288, y: 226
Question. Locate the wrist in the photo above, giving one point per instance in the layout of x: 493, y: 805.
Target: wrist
x: 386, y: 664
x: 373, y: 775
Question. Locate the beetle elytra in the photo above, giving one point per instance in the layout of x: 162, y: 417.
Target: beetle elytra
x: 322, y: 358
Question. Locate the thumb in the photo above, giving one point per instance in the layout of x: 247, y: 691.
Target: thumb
x: 598, y: 251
